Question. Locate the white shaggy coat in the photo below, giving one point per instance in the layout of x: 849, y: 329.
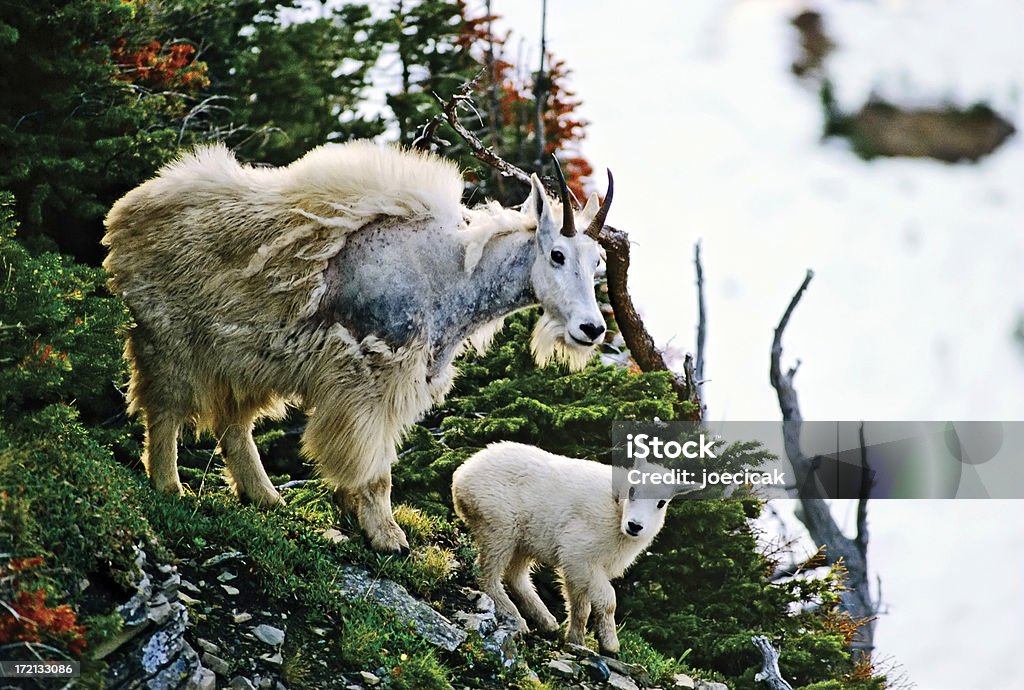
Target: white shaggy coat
x: 524, y: 505
x: 254, y: 288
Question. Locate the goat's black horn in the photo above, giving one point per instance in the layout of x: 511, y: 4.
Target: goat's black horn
x: 568, y: 219
x: 594, y: 229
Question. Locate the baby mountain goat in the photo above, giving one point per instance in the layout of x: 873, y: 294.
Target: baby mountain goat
x: 525, y: 505
x: 346, y: 284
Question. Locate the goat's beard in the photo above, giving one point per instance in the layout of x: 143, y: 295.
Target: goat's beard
x: 548, y: 344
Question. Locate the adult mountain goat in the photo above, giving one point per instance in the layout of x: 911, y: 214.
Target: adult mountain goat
x: 345, y: 283
x: 524, y: 505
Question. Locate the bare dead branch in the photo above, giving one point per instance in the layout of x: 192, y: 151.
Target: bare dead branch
x: 449, y: 113
x: 638, y: 339
x: 769, y: 673
x: 702, y: 325
x: 814, y: 512
x: 862, y: 499
x: 784, y: 384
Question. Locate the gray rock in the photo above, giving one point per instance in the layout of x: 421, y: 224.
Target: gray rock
x: 561, y: 668
x: 216, y: 664
x: 596, y: 669
x: 268, y: 634
x: 484, y: 603
x: 231, y: 591
x: 681, y: 680
x: 274, y: 658
x: 241, y: 683
x: 356, y: 583
x: 482, y: 623
x: 621, y: 682
x: 579, y: 650
x: 214, y: 561
x: 187, y: 600
x: 171, y: 584
x: 207, y: 646
x: 335, y: 536
x: 185, y: 584
x: 202, y: 679
x: 708, y: 685
x: 634, y: 671
x: 158, y: 609
x: 226, y: 576
x: 242, y: 617
x: 369, y: 679
x: 184, y: 664
x: 166, y: 643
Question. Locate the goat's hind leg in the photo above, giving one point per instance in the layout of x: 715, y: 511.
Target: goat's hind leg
x: 577, y: 601
x: 494, y: 558
x: 246, y: 473
x: 234, y: 423
x: 155, y: 390
x: 160, y: 451
x: 518, y: 577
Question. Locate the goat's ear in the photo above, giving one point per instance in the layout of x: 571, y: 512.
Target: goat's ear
x: 547, y: 225
x: 534, y: 204
x: 590, y: 210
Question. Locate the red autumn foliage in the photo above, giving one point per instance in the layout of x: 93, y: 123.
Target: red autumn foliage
x: 563, y: 128
x: 159, y: 66
x: 28, y: 617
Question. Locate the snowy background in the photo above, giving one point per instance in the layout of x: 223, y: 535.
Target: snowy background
x: 919, y: 265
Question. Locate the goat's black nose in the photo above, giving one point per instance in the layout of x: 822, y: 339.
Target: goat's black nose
x: 592, y: 330
x: 634, y: 528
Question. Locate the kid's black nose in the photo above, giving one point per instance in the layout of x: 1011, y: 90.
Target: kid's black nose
x: 592, y: 330
x: 634, y: 528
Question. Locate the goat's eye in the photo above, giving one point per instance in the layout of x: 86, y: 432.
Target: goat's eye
x: 661, y: 504
x: 558, y: 257
x: 632, y: 492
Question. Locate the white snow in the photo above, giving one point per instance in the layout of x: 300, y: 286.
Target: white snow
x: 918, y: 264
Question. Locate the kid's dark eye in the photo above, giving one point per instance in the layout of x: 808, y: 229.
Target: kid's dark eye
x: 632, y: 492
x: 661, y: 504
x: 558, y: 257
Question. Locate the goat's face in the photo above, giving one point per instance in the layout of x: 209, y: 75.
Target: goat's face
x: 563, y: 279
x: 642, y: 516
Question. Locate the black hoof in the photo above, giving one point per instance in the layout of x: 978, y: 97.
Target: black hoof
x: 610, y: 655
x: 400, y: 552
x: 548, y: 634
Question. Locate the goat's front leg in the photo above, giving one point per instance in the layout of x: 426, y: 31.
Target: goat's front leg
x: 602, y: 596
x: 373, y: 508
x: 355, y: 457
